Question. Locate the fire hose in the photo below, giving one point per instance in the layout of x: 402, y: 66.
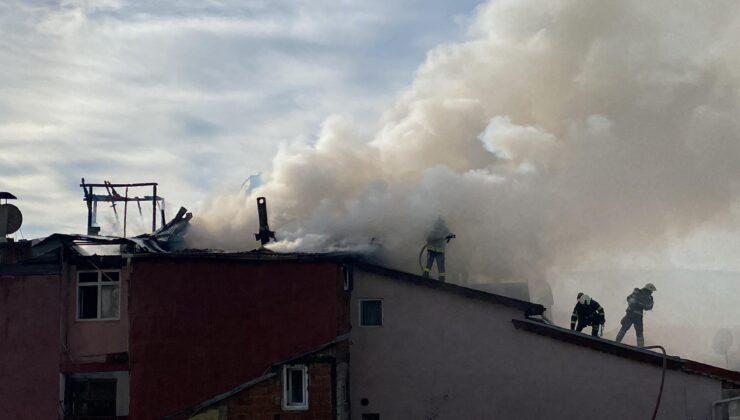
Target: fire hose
x: 421, y: 253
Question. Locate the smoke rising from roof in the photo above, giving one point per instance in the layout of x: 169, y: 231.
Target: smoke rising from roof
x: 555, y: 130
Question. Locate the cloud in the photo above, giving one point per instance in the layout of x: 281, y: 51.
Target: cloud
x: 549, y: 136
x: 563, y: 142
x: 195, y: 95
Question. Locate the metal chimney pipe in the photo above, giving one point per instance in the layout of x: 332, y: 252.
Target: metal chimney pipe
x: 265, y: 233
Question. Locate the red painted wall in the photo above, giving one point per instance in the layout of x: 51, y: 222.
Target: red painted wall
x: 201, y: 327
x: 29, y: 347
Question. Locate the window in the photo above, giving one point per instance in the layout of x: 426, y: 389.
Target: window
x: 95, y: 395
x: 98, y: 294
x: 371, y: 312
x: 88, y: 397
x: 295, y: 387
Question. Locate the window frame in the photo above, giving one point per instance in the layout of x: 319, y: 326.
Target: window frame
x: 382, y: 313
x: 286, y: 405
x: 71, y: 402
x: 99, y: 283
x: 122, y: 390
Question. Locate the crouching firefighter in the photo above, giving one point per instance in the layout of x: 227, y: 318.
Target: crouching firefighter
x: 639, y: 301
x: 437, y: 239
x: 588, y: 312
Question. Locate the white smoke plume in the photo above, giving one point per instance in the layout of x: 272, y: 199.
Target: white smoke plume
x: 557, y: 129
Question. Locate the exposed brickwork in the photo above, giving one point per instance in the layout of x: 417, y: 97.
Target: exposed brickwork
x: 263, y: 401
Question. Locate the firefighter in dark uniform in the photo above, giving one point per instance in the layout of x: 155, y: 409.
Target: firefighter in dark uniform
x: 639, y: 301
x: 587, y: 312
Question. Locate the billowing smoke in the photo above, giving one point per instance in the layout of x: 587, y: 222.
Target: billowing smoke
x: 556, y: 130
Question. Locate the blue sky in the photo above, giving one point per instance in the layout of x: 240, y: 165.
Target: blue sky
x: 196, y: 95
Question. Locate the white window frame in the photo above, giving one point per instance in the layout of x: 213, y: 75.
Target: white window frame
x: 382, y: 313
x: 99, y: 284
x: 286, y: 404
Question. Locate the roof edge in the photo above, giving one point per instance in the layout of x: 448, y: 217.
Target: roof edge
x: 596, y: 343
x: 529, y: 308
x: 626, y: 351
x: 254, y: 255
x: 269, y: 373
x: 711, y: 371
x: 190, y: 411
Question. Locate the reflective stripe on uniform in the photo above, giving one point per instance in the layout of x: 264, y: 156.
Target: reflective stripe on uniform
x: 573, y: 319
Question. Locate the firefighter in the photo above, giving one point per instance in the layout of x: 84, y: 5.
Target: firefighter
x: 587, y: 312
x: 639, y: 301
x: 437, y: 239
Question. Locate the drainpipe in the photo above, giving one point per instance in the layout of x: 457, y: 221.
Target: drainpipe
x: 720, y: 402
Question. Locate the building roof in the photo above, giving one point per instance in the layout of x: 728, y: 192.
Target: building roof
x: 624, y: 350
x: 353, y: 260
x: 529, y: 308
x: 260, y: 254
x: 166, y: 239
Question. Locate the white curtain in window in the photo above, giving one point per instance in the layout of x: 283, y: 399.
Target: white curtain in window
x: 109, y: 298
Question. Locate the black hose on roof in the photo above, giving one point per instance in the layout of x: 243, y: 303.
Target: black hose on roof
x: 421, y: 253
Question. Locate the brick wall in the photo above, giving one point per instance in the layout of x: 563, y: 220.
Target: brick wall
x: 263, y: 401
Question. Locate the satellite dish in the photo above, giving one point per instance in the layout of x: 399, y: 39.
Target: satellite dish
x: 10, y: 219
x: 722, y: 341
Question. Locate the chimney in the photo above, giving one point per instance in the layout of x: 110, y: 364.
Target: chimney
x: 265, y: 234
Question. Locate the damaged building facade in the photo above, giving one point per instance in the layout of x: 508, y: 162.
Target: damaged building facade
x: 101, y: 327
x: 149, y: 336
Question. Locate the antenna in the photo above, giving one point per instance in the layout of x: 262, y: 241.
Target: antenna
x: 11, y: 218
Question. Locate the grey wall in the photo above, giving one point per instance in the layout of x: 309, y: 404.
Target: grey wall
x: 440, y: 355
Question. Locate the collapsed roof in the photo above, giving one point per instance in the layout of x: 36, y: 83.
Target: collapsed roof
x: 167, y: 238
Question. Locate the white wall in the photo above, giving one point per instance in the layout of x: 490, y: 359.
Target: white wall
x: 440, y: 355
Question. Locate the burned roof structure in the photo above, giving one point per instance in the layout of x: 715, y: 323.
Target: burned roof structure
x: 168, y: 238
